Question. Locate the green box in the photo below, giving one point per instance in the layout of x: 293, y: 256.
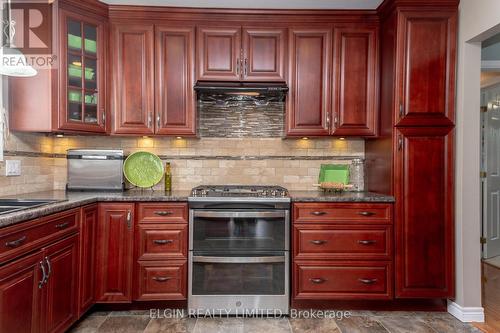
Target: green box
x: 334, y: 173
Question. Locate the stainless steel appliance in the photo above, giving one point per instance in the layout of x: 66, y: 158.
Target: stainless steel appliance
x: 93, y: 169
x: 239, y: 250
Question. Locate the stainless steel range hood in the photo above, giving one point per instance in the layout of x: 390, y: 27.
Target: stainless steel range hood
x: 258, y: 92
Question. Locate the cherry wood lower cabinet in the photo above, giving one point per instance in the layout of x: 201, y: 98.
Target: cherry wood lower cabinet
x: 60, y: 292
x: 161, y: 247
x: 342, y: 251
x: 114, y: 261
x: 38, y: 293
x: 342, y: 280
x: 424, y: 213
x: 20, y: 295
x: 86, y: 285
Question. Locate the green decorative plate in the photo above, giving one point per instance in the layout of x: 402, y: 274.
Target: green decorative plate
x: 143, y: 169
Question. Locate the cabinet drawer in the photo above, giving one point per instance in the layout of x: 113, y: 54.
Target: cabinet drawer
x: 341, y: 242
x: 341, y: 212
x: 158, y: 242
x: 163, y: 212
x: 342, y: 280
x: 18, y: 239
x: 160, y: 281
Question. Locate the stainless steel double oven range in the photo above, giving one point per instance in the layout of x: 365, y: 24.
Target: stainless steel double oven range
x: 239, y: 250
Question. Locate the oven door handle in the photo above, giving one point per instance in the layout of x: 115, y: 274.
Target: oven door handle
x: 238, y: 260
x: 237, y: 214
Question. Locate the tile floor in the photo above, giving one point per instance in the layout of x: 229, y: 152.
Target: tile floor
x: 358, y: 322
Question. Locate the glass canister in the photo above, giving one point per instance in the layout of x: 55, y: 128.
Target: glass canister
x: 357, y: 177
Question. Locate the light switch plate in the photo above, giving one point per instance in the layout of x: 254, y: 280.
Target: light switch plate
x: 12, y: 167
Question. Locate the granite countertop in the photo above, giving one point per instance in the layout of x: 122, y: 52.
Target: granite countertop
x: 68, y: 200
x: 321, y: 196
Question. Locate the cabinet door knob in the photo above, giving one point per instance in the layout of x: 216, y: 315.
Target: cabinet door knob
x: 318, y: 241
x: 366, y: 213
x: 317, y: 280
x: 161, y: 278
x: 368, y: 281
x: 367, y: 241
x: 163, y: 213
x: 16, y: 243
x: 318, y: 213
x: 162, y: 241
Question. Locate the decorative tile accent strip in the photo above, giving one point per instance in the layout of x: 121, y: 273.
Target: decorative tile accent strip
x: 204, y: 157
x: 240, y: 119
x: 32, y: 154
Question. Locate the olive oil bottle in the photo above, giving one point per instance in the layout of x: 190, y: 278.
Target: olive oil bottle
x: 168, y: 177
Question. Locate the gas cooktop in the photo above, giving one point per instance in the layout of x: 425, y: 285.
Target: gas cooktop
x: 239, y: 191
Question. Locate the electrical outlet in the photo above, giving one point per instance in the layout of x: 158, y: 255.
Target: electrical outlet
x: 12, y: 167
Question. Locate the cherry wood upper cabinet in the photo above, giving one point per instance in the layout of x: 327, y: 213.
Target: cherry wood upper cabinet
x: 133, y: 78
x: 218, y: 53
x: 114, y: 261
x: 61, y: 290
x: 174, y: 94
x: 264, y: 54
x: 355, y: 78
x: 309, y: 81
x: 424, y: 214
x: 86, y: 280
x: 70, y: 97
x: 20, y: 297
x: 426, y: 70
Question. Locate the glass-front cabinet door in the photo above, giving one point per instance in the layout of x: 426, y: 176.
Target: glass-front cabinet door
x: 82, y: 73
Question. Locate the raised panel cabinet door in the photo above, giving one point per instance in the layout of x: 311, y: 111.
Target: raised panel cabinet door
x: 219, y: 53
x: 355, y: 78
x: 424, y: 230
x: 264, y: 54
x: 309, y: 64
x: 82, y: 73
x: 114, y: 260
x: 87, y: 258
x: 426, y: 69
x: 132, y: 59
x: 60, y: 309
x: 174, y: 94
x: 20, y: 295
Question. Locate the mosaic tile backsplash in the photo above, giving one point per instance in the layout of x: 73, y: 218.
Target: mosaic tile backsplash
x: 239, y: 119
x: 290, y: 163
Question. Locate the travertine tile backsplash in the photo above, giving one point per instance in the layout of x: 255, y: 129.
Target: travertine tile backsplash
x: 291, y: 163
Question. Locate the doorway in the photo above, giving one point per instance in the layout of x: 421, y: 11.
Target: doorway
x: 490, y: 181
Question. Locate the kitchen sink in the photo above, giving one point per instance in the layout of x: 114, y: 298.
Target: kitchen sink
x: 13, y: 205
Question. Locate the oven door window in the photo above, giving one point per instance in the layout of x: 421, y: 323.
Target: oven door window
x: 230, y: 275
x: 239, y: 230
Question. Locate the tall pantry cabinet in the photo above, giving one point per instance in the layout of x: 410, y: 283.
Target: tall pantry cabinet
x: 415, y: 148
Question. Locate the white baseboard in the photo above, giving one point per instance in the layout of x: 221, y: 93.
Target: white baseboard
x: 466, y: 314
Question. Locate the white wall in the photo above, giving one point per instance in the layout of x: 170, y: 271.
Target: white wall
x: 478, y: 20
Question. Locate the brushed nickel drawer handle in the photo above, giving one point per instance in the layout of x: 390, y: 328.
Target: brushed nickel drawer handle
x: 367, y: 241
x: 163, y: 213
x: 161, y: 278
x: 368, y: 281
x: 44, y: 275
x: 162, y: 241
x: 16, y: 243
x: 318, y: 213
x: 317, y: 280
x: 62, y: 225
x: 318, y: 241
x: 366, y: 213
